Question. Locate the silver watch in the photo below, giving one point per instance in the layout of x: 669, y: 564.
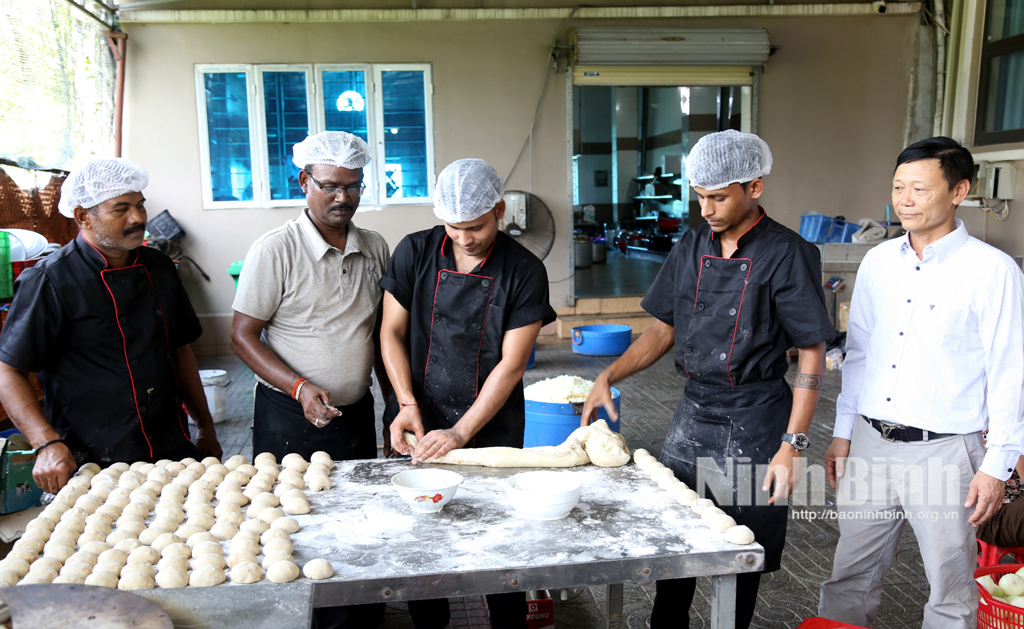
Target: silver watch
x: 798, y: 440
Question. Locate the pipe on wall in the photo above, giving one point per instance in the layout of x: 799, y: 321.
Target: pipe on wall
x: 118, y: 43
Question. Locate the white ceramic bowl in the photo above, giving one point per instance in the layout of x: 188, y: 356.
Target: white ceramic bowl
x: 427, y: 490
x: 544, y: 495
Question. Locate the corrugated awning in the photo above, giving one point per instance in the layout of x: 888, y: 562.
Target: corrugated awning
x: 639, y: 46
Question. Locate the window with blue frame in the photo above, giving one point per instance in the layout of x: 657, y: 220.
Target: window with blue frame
x: 405, y: 134
x: 248, y: 160
x: 287, y: 120
x: 227, y: 130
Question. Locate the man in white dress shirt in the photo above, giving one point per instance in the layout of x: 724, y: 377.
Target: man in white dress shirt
x: 935, y: 355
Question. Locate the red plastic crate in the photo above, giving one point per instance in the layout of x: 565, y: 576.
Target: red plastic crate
x: 825, y: 623
x: 993, y: 614
x: 18, y: 267
x: 990, y: 554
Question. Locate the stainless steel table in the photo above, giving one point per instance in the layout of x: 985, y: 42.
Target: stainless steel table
x: 624, y: 530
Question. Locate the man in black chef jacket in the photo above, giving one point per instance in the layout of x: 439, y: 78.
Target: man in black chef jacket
x: 733, y: 296
x: 106, y: 324
x: 463, y: 304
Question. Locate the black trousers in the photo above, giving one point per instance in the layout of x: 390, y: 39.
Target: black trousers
x: 674, y: 597
x: 507, y: 611
x: 280, y: 427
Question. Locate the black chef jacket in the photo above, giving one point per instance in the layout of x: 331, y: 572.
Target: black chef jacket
x: 104, y: 343
x: 735, y: 318
x: 457, y: 322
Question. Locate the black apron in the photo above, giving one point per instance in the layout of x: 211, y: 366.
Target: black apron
x: 720, y: 422
x: 459, y: 361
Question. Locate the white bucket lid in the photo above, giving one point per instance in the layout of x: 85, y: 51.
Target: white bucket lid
x: 213, y: 376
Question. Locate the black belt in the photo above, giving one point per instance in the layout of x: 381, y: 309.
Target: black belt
x: 895, y: 432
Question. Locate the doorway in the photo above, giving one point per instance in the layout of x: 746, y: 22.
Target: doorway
x: 631, y: 198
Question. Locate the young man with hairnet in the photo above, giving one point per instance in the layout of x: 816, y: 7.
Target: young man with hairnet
x: 306, y: 315
x: 733, y: 296
x: 462, y: 308
x: 106, y: 324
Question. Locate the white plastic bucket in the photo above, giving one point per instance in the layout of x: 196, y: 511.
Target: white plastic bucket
x: 215, y: 384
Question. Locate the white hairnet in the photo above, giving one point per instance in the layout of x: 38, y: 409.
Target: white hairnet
x: 337, y: 148
x: 727, y: 157
x: 99, y: 180
x: 466, y: 190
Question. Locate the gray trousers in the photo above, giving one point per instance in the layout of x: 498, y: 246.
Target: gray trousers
x: 885, y: 486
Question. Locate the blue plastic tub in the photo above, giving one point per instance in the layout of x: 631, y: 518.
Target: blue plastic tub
x: 822, y: 229
x: 601, y: 340
x: 7, y: 433
x: 549, y: 424
x: 530, y: 364
x: 843, y: 231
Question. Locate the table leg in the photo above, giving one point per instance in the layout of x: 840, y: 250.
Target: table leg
x: 723, y: 602
x: 615, y: 606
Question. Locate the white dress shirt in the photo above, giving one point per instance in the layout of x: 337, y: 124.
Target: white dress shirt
x: 938, y: 344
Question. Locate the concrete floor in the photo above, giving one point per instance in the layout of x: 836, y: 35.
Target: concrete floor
x: 621, y: 276
x: 648, y: 401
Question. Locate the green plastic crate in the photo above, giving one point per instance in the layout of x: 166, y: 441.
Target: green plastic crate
x: 234, y: 270
x: 6, y: 274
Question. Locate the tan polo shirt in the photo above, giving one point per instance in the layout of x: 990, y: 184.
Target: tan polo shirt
x: 320, y: 303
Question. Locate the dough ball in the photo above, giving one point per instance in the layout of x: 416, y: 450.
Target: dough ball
x: 268, y: 474
x: 203, y: 520
x: 232, y: 497
x: 294, y: 506
x: 209, y: 559
x: 232, y: 518
x: 90, y: 469
x: 74, y: 513
x: 248, y: 572
x: 640, y: 453
x: 686, y: 497
x: 317, y: 468
x: 112, y: 567
x: 710, y: 512
x: 255, y: 488
x: 282, y: 572
x: 266, y: 498
x: 42, y: 574
x: 218, y: 468
x: 292, y: 479
x: 96, y: 548
x: 36, y: 578
x: 210, y: 460
x: 60, y: 553
x: 199, y: 538
x: 196, y: 469
x: 318, y: 569
x: 46, y: 562
x: 128, y: 544
x: 285, y: 524
x: 118, y: 501
x: 84, y: 557
x: 98, y: 526
x: 8, y: 578
x: 676, y: 489
x: 139, y: 566
x: 136, y: 581
x: 720, y: 523
x: 663, y: 472
x: 150, y: 535
x: 100, y: 493
x: 225, y: 508
x: 246, y: 534
x: 137, y: 507
x: 165, y: 540
x: 102, y: 579
x: 114, y: 554
x: 130, y: 517
x: 130, y: 526
x: 256, y: 526
x: 265, y: 458
x: 199, y: 508
x: 283, y: 488
x: 176, y: 549
x: 206, y: 576
x: 652, y: 468
x: 129, y: 482
x: 278, y: 543
x: 205, y: 548
x: 171, y: 512
x: 92, y: 536
x: 244, y: 546
x: 24, y: 554
x: 174, y: 492
x: 186, y: 531
x: 700, y: 504
x: 212, y: 477
x: 174, y: 468
x: 272, y: 557
x: 41, y: 523
x: 61, y: 540
x: 172, y: 577
x: 40, y: 533
x: 159, y: 474
x: 172, y: 561
x: 120, y: 466
x: 235, y: 461
x: 202, y: 487
x: 294, y: 461
x: 76, y: 568
x: 224, y: 530
x: 73, y: 579
x: 667, y: 482
x: 319, y: 482
x: 33, y: 544
x: 144, y: 553
x: 322, y: 458
x: 270, y: 534
x: 740, y: 535
x: 88, y: 504
x: 241, y: 557
x: 144, y: 492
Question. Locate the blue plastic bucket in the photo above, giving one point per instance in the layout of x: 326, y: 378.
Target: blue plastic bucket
x: 601, y: 340
x: 530, y: 364
x: 7, y: 433
x: 550, y: 424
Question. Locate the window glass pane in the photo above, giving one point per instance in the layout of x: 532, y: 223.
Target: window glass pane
x: 1004, y: 106
x: 405, y: 134
x: 1005, y: 19
x: 284, y: 100
x: 227, y: 120
x: 345, y: 109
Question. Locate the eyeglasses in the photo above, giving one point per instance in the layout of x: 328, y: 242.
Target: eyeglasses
x: 352, y: 191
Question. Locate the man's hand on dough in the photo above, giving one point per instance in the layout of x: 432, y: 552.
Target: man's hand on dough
x: 600, y: 395
x: 407, y: 419
x: 438, y: 443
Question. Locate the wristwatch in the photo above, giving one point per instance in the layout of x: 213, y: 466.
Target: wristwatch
x: 798, y: 440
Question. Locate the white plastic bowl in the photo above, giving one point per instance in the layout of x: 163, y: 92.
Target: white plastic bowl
x: 427, y: 490
x: 544, y: 495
